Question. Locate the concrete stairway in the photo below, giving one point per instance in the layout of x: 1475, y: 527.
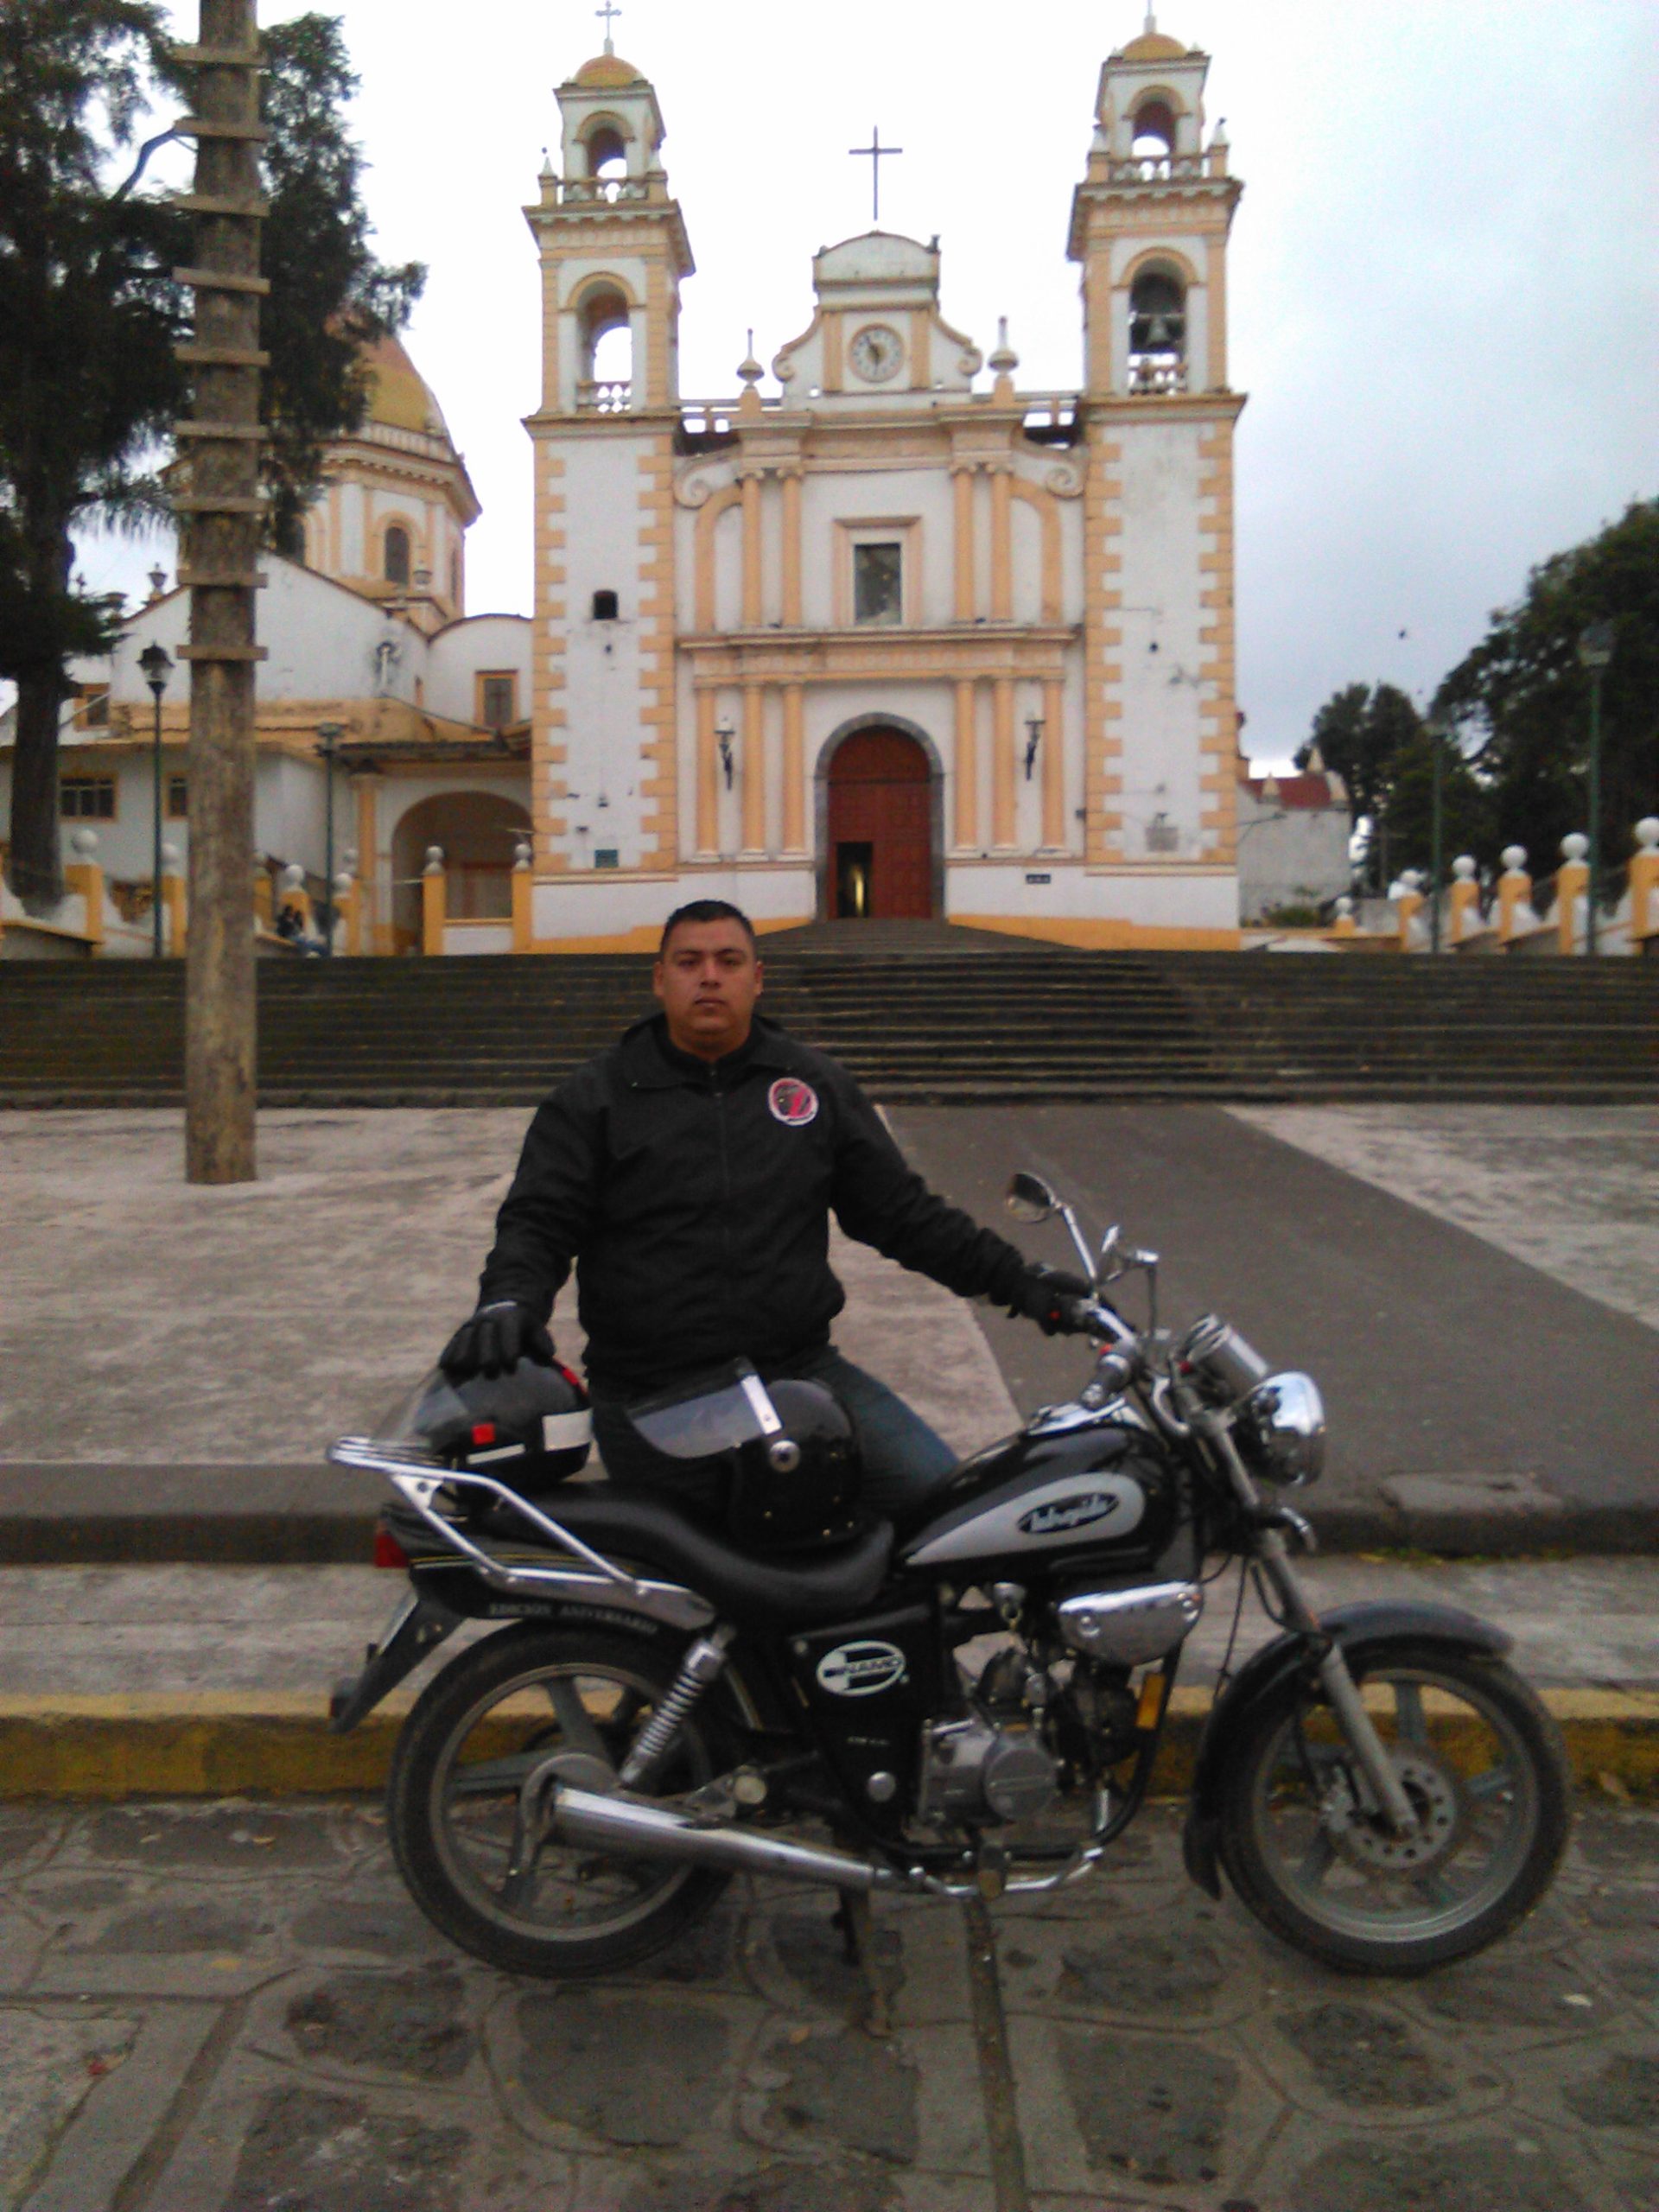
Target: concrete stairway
x: 1022, y: 1020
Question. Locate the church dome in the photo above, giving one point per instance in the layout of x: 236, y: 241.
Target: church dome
x: 607, y: 72
x: 1154, y: 46
x: 399, y: 397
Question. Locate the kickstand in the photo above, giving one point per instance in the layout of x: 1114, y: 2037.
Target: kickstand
x: 856, y: 1923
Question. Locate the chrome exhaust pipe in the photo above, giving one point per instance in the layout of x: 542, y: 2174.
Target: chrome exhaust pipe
x: 600, y: 1823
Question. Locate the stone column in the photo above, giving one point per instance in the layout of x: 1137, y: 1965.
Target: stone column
x: 967, y: 822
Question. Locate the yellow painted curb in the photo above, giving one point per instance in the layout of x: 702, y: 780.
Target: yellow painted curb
x: 222, y: 1744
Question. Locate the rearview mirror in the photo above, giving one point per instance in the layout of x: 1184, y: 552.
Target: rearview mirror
x: 1029, y: 1198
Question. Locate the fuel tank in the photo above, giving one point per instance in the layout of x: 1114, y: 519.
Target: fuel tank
x: 1075, y: 1486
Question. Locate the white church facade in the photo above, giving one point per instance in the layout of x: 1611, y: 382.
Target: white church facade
x: 881, y: 635
x: 895, y: 637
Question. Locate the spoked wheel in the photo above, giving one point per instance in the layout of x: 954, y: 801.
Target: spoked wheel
x: 1483, y: 1766
x: 456, y: 1802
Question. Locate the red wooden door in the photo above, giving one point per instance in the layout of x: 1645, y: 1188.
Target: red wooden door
x: 881, y: 828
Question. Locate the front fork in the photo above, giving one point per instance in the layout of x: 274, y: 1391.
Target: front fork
x: 1387, y: 1792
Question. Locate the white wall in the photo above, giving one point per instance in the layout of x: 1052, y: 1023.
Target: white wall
x: 1160, y: 581
x: 457, y: 652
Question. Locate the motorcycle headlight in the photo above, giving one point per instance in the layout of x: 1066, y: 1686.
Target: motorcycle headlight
x: 1281, y: 1430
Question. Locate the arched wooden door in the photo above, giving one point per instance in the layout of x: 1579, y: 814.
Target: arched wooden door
x: 880, y: 839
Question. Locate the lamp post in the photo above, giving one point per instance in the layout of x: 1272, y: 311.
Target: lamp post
x: 157, y: 665
x: 1434, y: 729
x: 328, y: 737
x: 1595, y: 650
x: 724, y: 732
x: 1034, y: 739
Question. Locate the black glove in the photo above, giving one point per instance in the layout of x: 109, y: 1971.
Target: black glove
x: 1047, y: 1296
x: 495, y: 1340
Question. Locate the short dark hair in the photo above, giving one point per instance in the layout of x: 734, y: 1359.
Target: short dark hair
x: 707, y: 910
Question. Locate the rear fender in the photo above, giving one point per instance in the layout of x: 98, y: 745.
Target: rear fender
x: 419, y: 1626
x: 1356, y: 1628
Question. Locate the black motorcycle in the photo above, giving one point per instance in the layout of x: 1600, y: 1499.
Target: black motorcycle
x: 670, y: 1705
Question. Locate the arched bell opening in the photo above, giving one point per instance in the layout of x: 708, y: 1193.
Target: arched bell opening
x: 606, y: 323
x: 394, y: 553
x: 880, y: 821
x: 478, y: 833
x: 1152, y: 130
x: 606, y: 151
x: 1157, y: 331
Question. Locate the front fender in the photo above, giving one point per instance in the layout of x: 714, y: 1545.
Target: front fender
x: 1381, y: 1620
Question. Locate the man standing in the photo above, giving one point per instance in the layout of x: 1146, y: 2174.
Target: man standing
x: 689, y: 1174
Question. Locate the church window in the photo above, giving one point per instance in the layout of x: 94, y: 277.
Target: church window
x: 498, y: 698
x: 396, y: 555
x: 878, y: 583
x: 1152, y: 133
x: 604, y: 608
x: 607, y: 153
x: 1157, y: 333
x: 178, y: 799
x: 86, y: 798
x: 607, y: 351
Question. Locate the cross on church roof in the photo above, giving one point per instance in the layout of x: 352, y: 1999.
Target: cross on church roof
x: 876, y: 152
x: 608, y: 14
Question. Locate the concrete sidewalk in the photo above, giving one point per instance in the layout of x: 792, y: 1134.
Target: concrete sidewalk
x: 173, y: 1360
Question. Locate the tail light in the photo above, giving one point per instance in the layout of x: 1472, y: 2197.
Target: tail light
x: 388, y: 1552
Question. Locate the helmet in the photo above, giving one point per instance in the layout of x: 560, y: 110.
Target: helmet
x: 530, y: 1427
x: 786, y: 1449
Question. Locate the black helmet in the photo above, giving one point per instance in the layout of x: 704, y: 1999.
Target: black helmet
x: 530, y: 1427
x: 788, y: 1449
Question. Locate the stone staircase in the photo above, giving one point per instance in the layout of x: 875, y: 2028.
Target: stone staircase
x: 917, y: 1023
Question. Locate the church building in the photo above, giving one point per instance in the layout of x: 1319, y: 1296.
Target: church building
x: 885, y: 635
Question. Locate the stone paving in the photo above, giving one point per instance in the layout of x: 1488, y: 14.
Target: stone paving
x: 232, y: 2007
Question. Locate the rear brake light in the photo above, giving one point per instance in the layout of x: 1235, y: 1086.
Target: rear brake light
x: 388, y: 1552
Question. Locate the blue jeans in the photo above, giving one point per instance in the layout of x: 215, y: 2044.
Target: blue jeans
x: 903, y: 1459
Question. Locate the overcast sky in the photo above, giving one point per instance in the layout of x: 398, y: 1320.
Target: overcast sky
x: 1442, y: 282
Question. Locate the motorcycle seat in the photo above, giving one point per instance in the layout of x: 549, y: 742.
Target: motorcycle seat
x: 763, y: 1594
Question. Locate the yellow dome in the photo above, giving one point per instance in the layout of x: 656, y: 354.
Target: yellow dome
x: 1154, y: 46
x: 397, y: 393
x: 608, y: 73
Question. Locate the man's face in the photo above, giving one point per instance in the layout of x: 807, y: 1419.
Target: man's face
x: 707, y: 979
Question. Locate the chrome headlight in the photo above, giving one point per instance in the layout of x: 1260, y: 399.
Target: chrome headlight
x: 1281, y: 1430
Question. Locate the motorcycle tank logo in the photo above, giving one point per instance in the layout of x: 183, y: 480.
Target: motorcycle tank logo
x: 861, y: 1669
x: 1069, y: 1513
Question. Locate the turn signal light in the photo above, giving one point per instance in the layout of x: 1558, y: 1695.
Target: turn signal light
x: 388, y: 1552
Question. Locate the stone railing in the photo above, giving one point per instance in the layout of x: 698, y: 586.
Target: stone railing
x: 1156, y: 375
x: 1155, y: 168
x: 601, y: 191
x: 596, y: 396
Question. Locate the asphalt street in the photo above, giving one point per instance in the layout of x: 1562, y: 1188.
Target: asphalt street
x: 1438, y: 1354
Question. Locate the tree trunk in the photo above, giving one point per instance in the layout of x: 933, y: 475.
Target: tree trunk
x: 35, y: 865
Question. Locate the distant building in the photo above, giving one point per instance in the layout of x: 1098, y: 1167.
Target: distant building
x: 371, y: 634
x: 1293, y: 833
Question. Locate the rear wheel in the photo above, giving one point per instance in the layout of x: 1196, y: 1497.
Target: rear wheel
x: 1483, y: 1766
x: 501, y: 1710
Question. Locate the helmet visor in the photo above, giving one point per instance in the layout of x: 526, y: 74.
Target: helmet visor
x: 717, y: 1412
x: 434, y: 1408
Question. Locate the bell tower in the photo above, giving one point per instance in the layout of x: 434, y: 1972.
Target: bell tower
x: 614, y: 254
x: 1149, y: 226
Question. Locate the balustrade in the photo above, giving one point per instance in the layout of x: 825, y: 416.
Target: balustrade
x: 596, y: 396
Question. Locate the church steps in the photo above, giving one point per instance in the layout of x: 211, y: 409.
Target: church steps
x: 1030, y: 1023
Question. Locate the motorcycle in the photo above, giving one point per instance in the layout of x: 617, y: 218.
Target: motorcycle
x: 663, y: 1710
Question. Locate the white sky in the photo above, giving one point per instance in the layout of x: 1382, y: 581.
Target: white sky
x: 1442, y: 275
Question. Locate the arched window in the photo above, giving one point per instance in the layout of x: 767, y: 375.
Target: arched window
x: 1157, y: 332
x: 607, y: 151
x: 1151, y: 133
x: 395, y: 554
x: 607, y: 351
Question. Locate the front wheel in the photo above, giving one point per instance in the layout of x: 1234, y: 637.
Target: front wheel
x: 1484, y: 1767
x: 499, y: 1712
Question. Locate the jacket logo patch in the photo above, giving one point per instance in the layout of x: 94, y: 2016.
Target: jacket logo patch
x: 792, y: 1102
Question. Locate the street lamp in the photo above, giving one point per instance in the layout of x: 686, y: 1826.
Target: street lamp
x: 724, y: 732
x: 157, y: 665
x: 1595, y: 650
x: 1435, y: 730
x: 1034, y: 739
x: 328, y: 737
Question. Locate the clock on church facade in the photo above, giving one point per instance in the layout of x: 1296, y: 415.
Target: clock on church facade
x: 884, y: 632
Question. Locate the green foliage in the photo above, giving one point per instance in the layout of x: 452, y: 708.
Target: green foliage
x: 329, y: 296
x: 89, y: 313
x: 1520, y: 701
x: 1359, y: 731
x: 1407, y: 813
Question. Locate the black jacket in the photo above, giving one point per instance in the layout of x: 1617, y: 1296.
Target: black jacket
x: 695, y: 1199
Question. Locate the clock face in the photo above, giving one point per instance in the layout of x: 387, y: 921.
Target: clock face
x: 877, y: 353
